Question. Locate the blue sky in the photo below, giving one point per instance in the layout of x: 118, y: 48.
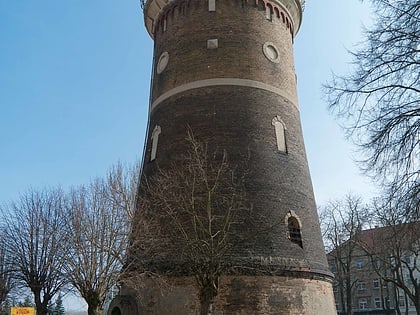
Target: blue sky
x: 74, y: 89
x: 74, y: 83
x: 330, y: 28
x: 74, y: 86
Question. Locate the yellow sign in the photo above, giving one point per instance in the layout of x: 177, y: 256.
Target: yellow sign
x: 22, y: 311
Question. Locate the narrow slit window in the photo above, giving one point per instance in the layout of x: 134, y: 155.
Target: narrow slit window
x: 155, y: 138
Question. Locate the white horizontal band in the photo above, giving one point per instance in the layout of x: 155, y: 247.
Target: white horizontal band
x: 221, y: 81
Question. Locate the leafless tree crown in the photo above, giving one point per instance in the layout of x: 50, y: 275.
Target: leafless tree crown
x: 379, y: 101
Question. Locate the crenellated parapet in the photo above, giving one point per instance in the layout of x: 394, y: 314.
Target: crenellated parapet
x: 156, y: 12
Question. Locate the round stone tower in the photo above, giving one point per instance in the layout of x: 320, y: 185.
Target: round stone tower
x: 224, y: 69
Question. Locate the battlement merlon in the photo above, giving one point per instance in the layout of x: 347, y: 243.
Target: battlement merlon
x: 293, y: 8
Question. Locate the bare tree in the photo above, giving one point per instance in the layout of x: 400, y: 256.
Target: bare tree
x: 122, y: 185
x: 379, y: 101
x: 188, y: 212
x: 395, y: 248
x: 6, y: 280
x: 37, y: 244
x: 341, y: 223
x: 98, y: 225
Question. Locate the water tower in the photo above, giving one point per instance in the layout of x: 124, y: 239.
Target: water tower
x: 225, y: 69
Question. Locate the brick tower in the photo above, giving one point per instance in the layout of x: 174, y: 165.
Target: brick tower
x: 225, y: 69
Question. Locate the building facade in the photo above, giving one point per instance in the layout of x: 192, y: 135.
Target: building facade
x: 224, y: 70
x: 372, y: 269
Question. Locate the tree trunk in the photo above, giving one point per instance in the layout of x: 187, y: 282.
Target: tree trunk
x: 342, y: 297
x: 417, y: 303
x: 93, y: 301
x: 349, y: 295
x: 41, y: 308
x: 207, y: 294
x: 206, y: 307
x: 92, y: 310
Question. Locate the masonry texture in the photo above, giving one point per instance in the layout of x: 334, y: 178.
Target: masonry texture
x: 228, y: 92
x: 240, y: 295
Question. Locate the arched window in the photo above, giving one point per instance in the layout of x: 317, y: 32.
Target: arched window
x: 282, y: 17
x: 294, y: 229
x: 116, y: 311
x: 277, y: 12
x: 280, y: 131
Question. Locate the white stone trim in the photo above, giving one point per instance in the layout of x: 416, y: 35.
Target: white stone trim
x: 271, y: 52
x: 212, y: 5
x: 292, y: 214
x: 267, y: 13
x: 212, y: 43
x: 222, y: 81
x: 162, y: 62
x: 280, y: 132
x: 155, y: 138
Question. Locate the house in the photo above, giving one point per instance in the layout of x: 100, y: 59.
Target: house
x: 376, y: 271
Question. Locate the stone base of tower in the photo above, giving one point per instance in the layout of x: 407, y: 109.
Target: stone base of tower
x: 241, y: 295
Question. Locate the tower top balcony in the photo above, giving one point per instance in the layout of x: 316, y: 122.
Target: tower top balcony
x: 152, y: 9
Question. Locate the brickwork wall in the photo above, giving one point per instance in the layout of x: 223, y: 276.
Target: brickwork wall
x: 239, y: 295
x: 241, y: 32
x: 238, y: 120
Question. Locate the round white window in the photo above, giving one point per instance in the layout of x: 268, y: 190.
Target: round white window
x: 271, y: 52
x: 163, y: 62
